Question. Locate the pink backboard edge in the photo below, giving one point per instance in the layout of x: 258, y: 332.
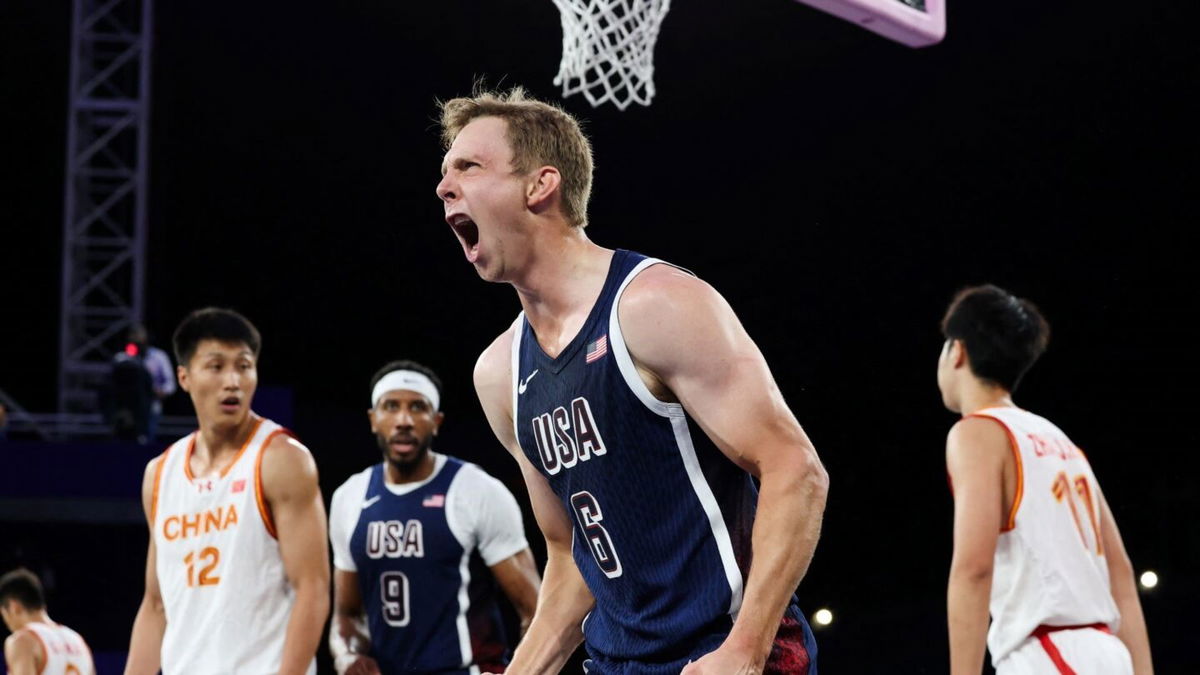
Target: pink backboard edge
x: 891, y: 18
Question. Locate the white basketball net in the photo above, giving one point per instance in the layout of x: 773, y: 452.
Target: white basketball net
x: 608, y: 49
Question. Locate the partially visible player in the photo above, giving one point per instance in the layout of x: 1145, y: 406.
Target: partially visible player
x: 237, y: 576
x: 420, y: 542
x: 1034, y: 539
x: 38, y: 646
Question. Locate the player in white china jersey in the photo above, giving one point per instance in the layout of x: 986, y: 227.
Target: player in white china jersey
x: 38, y: 646
x: 1035, y: 543
x: 237, y: 576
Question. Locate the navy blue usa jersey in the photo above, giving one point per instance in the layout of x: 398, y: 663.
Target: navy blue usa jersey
x: 662, y: 518
x: 430, y: 604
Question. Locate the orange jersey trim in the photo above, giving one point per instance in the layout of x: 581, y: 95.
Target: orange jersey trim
x: 158, y: 472
x: 1011, y: 522
x: 187, y: 459
x: 263, y: 509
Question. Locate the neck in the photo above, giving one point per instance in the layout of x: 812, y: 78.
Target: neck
x: 31, y: 616
x: 216, y: 439
x: 562, y: 274
x: 419, y: 471
x: 976, y: 396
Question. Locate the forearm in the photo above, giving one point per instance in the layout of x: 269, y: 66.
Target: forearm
x: 145, y: 645
x: 967, y: 616
x: 304, y: 627
x: 786, y: 529
x: 556, y: 629
x: 1133, y: 624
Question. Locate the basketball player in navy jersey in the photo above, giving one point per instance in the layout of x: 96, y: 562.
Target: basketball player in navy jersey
x: 639, y: 410
x: 420, y: 542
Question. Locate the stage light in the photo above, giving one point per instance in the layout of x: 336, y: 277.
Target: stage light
x: 823, y: 617
x: 1149, y: 579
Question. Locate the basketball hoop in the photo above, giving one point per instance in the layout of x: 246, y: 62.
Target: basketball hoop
x: 608, y: 49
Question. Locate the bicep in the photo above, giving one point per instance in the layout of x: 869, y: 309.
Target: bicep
x: 975, y: 453
x: 149, y: 499
x: 347, y: 595
x: 290, y: 483
x: 1114, y: 546
x: 688, y: 336
x: 493, y: 384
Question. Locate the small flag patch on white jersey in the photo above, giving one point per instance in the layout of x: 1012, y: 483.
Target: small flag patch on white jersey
x: 239, y: 485
x: 596, y: 349
x: 435, y: 501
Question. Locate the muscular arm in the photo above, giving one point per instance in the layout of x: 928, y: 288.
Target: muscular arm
x: 145, y: 645
x: 1124, y: 591
x: 556, y: 628
x: 349, y: 641
x: 289, y: 479
x: 23, y: 654
x: 518, y: 578
x: 976, y: 451
x: 687, y: 342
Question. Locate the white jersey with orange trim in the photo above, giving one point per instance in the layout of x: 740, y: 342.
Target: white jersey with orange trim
x: 1050, y: 568
x: 226, y: 596
x: 65, y: 652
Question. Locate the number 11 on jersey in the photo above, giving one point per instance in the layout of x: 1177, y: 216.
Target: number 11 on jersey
x: 1062, y: 491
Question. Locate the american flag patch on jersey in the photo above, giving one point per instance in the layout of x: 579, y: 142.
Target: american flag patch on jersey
x: 239, y: 485
x: 435, y: 501
x: 596, y: 349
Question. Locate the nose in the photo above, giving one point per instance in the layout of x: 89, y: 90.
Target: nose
x: 404, y: 419
x: 447, y: 189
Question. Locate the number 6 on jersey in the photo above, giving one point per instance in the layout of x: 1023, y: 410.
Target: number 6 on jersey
x: 587, y: 510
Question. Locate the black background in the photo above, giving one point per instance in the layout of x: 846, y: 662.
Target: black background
x: 836, y: 187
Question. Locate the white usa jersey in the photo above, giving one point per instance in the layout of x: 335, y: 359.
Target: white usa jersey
x: 1050, y: 568
x: 66, y: 652
x: 223, y: 586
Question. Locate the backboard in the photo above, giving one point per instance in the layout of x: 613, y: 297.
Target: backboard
x: 916, y: 23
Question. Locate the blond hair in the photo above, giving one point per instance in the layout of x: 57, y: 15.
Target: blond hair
x: 539, y: 134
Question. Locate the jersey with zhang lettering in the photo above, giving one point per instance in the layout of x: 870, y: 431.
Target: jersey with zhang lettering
x: 66, y: 652
x: 662, y: 519
x: 421, y: 552
x: 223, y: 585
x: 1050, y: 568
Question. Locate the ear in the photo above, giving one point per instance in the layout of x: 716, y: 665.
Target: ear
x: 542, y: 188
x: 371, y: 418
x: 958, y: 353
x: 181, y: 374
x: 437, y: 422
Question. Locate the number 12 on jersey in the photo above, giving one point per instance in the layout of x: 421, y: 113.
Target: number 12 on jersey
x: 587, y: 511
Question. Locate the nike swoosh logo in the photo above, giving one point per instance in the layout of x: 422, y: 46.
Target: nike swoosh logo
x: 367, y: 504
x: 522, y: 384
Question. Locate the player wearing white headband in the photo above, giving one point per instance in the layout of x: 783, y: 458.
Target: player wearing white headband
x: 420, y: 541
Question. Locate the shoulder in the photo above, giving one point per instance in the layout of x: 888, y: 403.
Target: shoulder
x: 496, y: 360
x: 352, y: 486
x: 287, y: 466
x: 663, y: 297
x: 152, y: 474
x: 22, y: 643
x: 977, y: 440
x: 493, y: 369
x: 477, y: 482
x: 661, y: 284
